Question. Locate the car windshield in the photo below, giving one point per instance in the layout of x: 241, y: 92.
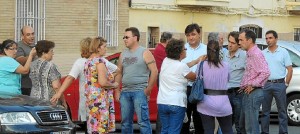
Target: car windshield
x: 295, y: 58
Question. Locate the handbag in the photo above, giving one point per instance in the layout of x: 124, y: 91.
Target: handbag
x: 197, y: 93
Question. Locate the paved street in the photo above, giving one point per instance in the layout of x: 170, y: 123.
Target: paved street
x: 273, y: 130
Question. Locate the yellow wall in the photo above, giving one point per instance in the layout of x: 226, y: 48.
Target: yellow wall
x: 176, y: 21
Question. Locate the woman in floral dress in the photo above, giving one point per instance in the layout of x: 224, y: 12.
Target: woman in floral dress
x: 99, y: 90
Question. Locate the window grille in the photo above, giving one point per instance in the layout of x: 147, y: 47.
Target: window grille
x: 108, y: 21
x: 255, y: 28
x: 32, y: 13
x: 297, y: 34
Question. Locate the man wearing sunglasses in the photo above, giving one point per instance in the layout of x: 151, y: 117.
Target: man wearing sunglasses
x: 24, y: 48
x: 136, y: 64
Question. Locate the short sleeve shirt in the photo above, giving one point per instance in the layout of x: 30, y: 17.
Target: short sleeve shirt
x: 172, y: 83
x: 9, y: 80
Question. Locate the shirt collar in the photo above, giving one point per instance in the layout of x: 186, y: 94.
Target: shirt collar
x: 199, y: 46
x: 276, y: 50
x: 237, y: 53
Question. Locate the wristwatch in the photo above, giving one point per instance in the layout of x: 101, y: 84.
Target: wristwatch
x: 286, y: 84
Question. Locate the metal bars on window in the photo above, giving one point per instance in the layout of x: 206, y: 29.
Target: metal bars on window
x: 32, y: 13
x: 108, y: 21
x: 297, y: 34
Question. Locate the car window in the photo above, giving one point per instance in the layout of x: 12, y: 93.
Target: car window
x: 295, y: 58
x: 262, y: 47
x: 114, y: 60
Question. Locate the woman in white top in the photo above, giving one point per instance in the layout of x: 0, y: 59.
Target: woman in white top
x: 77, y: 71
x: 173, y: 79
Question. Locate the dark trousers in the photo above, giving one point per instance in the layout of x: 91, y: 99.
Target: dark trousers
x: 192, y: 111
x: 26, y: 91
x: 224, y: 122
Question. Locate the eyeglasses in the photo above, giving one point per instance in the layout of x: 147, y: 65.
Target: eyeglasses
x: 12, y: 48
x: 126, y: 37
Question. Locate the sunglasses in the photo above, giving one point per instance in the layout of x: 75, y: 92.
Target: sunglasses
x: 126, y: 37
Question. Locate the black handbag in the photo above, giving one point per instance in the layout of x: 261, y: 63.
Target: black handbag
x: 197, y: 93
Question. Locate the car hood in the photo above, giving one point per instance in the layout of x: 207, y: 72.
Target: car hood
x: 23, y: 103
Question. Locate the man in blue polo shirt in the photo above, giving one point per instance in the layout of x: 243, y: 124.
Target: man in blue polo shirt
x: 279, y: 62
x: 236, y: 58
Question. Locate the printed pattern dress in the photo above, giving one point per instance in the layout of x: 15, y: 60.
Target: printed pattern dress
x: 99, y: 101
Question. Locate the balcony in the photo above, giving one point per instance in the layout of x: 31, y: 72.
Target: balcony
x: 293, y: 6
x: 211, y: 3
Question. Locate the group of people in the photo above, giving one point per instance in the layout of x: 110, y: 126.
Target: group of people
x: 236, y: 81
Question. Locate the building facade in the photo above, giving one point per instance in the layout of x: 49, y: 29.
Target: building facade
x: 66, y: 22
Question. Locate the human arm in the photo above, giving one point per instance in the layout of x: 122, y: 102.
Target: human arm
x: 150, y: 62
x: 25, y: 69
x: 289, y: 75
x: 196, y: 61
x: 191, y: 76
x: 67, y: 82
x: 102, y: 71
x: 21, y: 56
x: 118, y: 78
x: 262, y: 72
x: 56, y: 85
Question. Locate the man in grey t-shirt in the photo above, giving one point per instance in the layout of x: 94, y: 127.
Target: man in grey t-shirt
x: 24, y: 48
x: 136, y: 64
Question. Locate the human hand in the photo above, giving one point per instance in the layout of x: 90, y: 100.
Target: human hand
x: 248, y: 89
x: 116, y: 85
x: 117, y: 95
x: 55, y: 98
x: 147, y: 92
x: 33, y: 52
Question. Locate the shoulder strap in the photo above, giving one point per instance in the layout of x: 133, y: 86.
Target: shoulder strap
x: 200, y: 69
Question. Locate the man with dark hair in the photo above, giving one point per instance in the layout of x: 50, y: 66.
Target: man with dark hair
x: 254, y: 78
x: 280, y: 65
x: 195, y: 49
x: 159, y: 55
x: 236, y: 59
x: 24, y: 48
x: 136, y: 64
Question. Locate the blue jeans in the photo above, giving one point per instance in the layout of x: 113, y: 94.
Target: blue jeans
x: 249, y: 123
x: 236, y: 104
x: 278, y: 91
x: 134, y: 101
x: 171, y: 118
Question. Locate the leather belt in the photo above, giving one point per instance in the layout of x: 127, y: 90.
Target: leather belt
x: 276, y: 80
x: 215, y: 92
x: 256, y: 88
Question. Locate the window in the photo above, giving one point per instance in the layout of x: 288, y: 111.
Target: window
x: 108, y: 21
x: 32, y: 13
x: 297, y: 34
x: 256, y: 29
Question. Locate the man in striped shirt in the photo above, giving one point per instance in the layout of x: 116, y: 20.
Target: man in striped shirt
x: 255, y: 76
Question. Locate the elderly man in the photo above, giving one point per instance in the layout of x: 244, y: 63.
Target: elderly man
x: 24, y: 48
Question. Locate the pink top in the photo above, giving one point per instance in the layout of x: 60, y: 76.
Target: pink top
x: 257, y: 71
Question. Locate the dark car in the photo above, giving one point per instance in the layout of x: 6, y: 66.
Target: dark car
x: 26, y: 115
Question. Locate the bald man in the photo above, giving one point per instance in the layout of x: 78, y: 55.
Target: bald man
x: 24, y: 48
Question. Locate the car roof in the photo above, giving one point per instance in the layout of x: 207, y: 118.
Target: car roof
x: 291, y: 45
